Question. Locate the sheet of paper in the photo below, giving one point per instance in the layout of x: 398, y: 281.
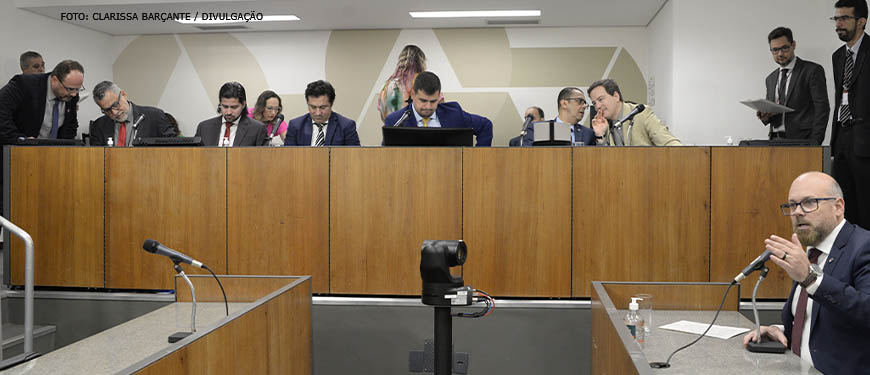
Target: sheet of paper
x: 717, y: 331
x: 765, y: 105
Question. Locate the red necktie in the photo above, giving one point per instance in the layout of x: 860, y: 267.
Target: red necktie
x: 122, y: 135
x: 800, y: 312
x: 227, y: 132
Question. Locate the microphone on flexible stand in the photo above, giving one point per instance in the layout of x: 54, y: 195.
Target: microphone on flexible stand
x: 276, y: 123
x: 402, y: 119
x: 638, y: 109
x: 756, y: 265
x: 526, y: 124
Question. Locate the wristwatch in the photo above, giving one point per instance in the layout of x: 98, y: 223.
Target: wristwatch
x: 815, y: 273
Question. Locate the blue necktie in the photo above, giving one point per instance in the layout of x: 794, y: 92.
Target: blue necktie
x: 54, y: 116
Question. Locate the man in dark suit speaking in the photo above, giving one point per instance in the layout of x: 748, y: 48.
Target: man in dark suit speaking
x: 799, y: 85
x: 825, y: 317
x: 42, y: 105
x: 333, y: 129
x: 233, y: 127
x: 121, y: 116
x: 427, y: 111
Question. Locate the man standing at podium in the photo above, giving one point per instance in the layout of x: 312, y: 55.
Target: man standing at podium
x: 799, y: 85
x: 826, y: 316
x: 426, y: 110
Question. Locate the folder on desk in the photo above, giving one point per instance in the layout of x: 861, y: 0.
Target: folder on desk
x: 764, y: 105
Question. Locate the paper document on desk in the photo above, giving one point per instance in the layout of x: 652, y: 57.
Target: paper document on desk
x: 721, y: 332
x: 764, y: 105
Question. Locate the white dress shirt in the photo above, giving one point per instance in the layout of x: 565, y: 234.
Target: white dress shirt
x: 433, y: 120
x: 781, y: 126
x: 315, y: 131
x: 233, y: 128
x: 45, y: 130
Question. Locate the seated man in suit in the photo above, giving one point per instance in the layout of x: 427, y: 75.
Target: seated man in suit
x: 572, y: 106
x: 644, y: 129
x: 120, y: 116
x: 429, y: 112
x: 536, y: 114
x: 825, y: 317
x: 333, y: 129
x: 42, y: 105
x: 233, y: 127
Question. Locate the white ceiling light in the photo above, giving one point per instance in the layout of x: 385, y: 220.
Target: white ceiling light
x: 288, y: 17
x: 476, y: 13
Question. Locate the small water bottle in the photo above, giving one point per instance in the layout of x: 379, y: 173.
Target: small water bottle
x: 110, y: 142
x: 729, y: 141
x: 635, y: 322
x: 226, y: 142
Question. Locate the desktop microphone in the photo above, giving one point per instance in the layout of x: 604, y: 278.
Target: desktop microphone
x: 404, y: 116
x: 526, y: 125
x: 638, y: 109
x: 155, y: 247
x: 756, y: 265
x: 136, y: 124
x: 276, y: 124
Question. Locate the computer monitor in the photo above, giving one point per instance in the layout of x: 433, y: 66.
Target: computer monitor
x: 777, y: 142
x: 408, y: 136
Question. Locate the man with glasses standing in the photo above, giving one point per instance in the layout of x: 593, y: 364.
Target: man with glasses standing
x: 799, y: 85
x: 42, y: 105
x: 825, y: 318
x: 644, y: 129
x: 850, y: 133
x: 124, y: 120
x: 572, y: 106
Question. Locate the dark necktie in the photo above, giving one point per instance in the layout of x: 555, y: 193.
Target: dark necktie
x: 618, y: 139
x: 55, y: 114
x: 321, y: 137
x: 845, y: 112
x: 800, y: 312
x: 227, y: 134
x: 783, y: 80
x: 122, y: 134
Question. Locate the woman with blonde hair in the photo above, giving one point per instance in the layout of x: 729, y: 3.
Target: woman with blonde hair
x: 397, y: 89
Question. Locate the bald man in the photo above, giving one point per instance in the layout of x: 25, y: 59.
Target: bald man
x: 826, y: 316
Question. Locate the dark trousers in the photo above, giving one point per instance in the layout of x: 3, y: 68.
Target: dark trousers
x: 852, y: 172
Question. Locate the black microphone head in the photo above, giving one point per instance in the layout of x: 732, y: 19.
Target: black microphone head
x: 640, y: 108
x: 529, y: 117
x: 150, y: 245
x: 279, y: 118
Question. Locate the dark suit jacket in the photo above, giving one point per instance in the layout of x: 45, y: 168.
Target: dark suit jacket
x: 859, y: 97
x: 22, y: 108
x: 581, y: 133
x: 250, y: 132
x: 841, y: 306
x: 450, y: 115
x: 153, y: 125
x: 340, y: 131
x: 808, y: 95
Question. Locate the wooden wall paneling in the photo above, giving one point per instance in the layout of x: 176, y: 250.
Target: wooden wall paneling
x: 517, y: 220
x: 383, y: 203
x: 749, y: 184
x: 675, y: 296
x: 56, y: 195
x: 640, y: 214
x: 278, y: 212
x: 175, y: 196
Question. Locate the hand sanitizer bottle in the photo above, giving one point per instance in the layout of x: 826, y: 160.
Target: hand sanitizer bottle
x: 110, y: 142
x: 634, y: 322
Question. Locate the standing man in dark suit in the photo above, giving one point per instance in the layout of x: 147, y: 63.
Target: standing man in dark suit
x: 850, y: 133
x: 333, y: 129
x: 123, y: 120
x: 426, y: 110
x: 825, y: 318
x: 799, y: 85
x: 233, y: 127
x: 42, y: 105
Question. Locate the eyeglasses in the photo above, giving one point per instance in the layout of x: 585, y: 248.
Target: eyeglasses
x: 80, y: 89
x: 272, y: 109
x: 807, y: 205
x: 842, y: 18
x: 784, y: 48
x: 113, y: 107
x: 580, y: 101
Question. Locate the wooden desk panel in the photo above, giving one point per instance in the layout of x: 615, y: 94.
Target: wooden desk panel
x: 174, y: 196
x: 675, y: 296
x: 640, y: 214
x: 278, y: 213
x: 384, y: 203
x: 749, y: 184
x: 517, y: 220
x: 56, y: 195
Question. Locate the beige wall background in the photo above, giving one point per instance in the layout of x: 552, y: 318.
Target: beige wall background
x: 494, y: 72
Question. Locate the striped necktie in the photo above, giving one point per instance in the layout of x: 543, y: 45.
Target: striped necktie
x: 321, y: 136
x: 845, y: 112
